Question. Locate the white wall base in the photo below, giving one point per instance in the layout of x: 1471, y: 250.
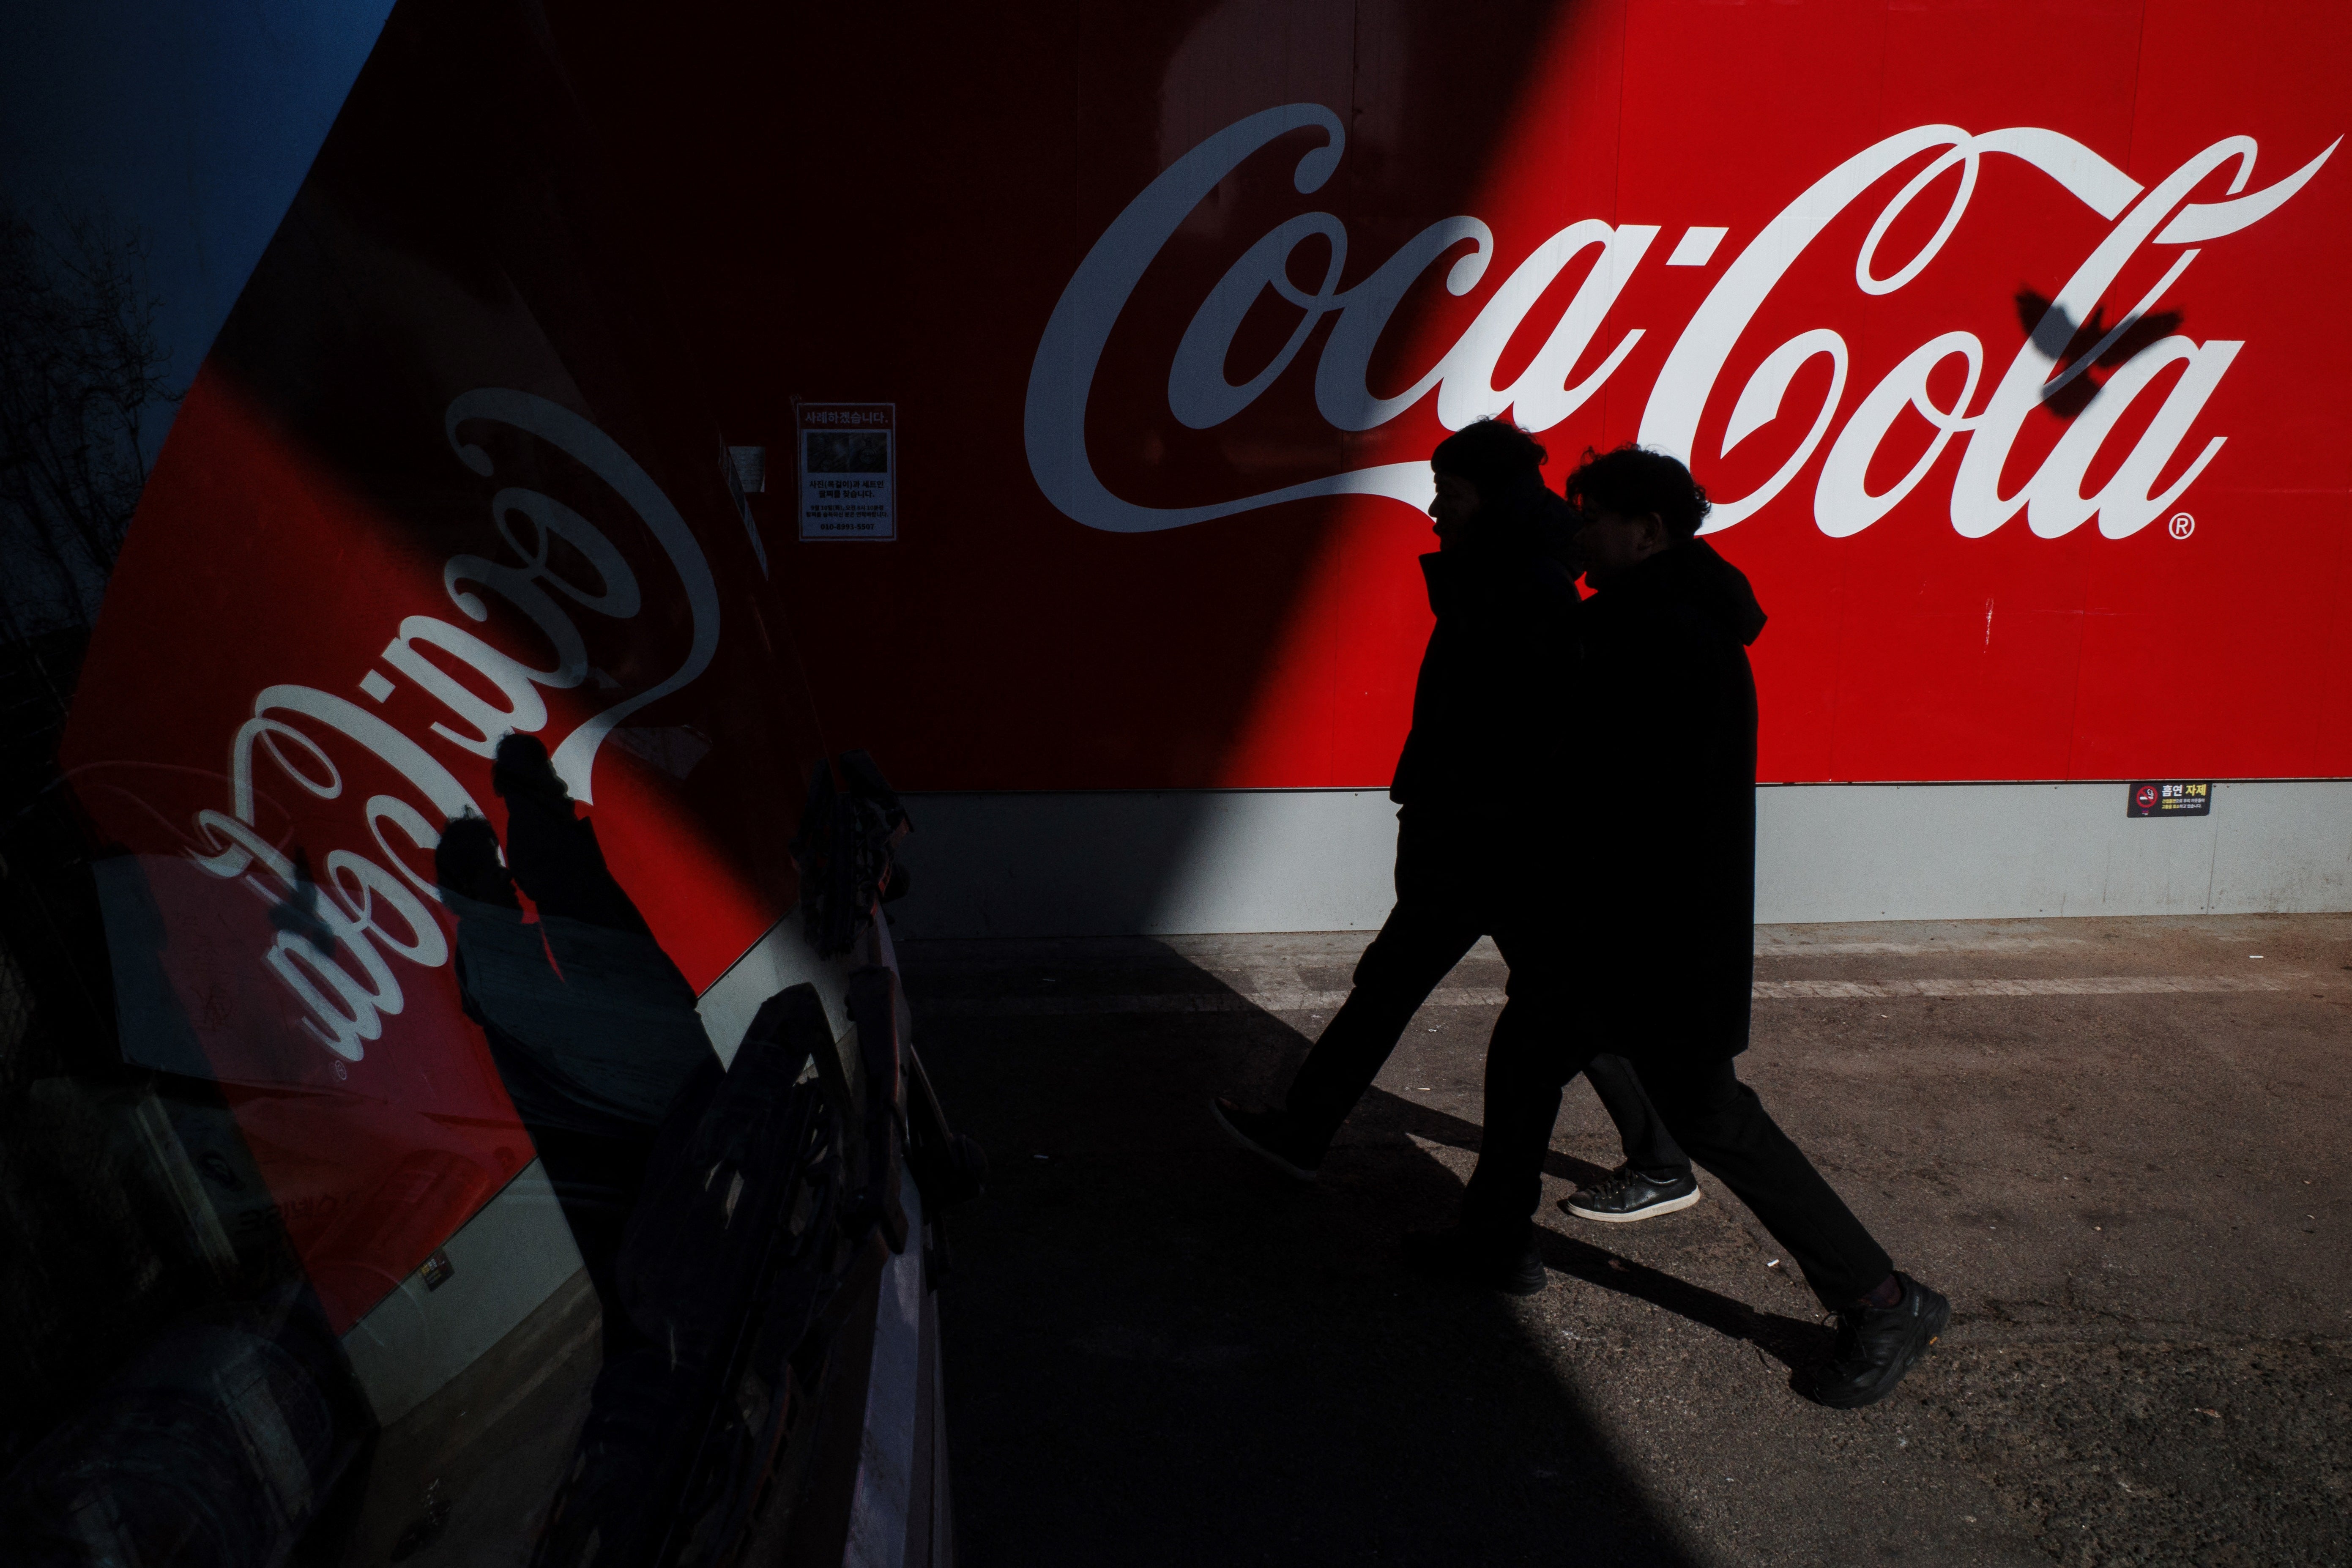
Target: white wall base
x: 779, y: 960
x: 512, y: 1255
x: 1180, y: 862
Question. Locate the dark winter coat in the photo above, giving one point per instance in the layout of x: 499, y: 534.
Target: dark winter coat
x: 1669, y: 814
x: 1491, y: 725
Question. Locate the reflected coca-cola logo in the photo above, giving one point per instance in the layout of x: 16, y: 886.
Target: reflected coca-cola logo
x: 1199, y: 396
x: 366, y: 909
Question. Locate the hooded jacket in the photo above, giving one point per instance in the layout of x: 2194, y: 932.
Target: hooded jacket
x: 1669, y: 705
x: 1490, y: 712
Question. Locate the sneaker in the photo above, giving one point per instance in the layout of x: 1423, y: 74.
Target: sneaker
x: 1876, y: 1345
x: 1626, y: 1195
x: 1269, y: 1135
x: 1469, y: 1259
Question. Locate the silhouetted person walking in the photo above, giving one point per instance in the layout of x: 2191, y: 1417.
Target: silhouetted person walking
x: 1479, y: 839
x: 1668, y: 709
x: 595, y: 1048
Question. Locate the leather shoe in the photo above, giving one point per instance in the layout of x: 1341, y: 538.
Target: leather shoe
x: 1626, y: 1195
x: 1876, y: 1345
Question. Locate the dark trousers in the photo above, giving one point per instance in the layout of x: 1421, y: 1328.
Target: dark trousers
x: 1444, y: 906
x: 1714, y: 1116
x: 1650, y: 1146
x: 597, y: 1182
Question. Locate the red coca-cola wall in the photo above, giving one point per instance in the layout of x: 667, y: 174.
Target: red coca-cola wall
x: 457, y: 463
x: 860, y: 208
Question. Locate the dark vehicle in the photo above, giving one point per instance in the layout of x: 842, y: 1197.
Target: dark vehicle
x: 456, y: 1099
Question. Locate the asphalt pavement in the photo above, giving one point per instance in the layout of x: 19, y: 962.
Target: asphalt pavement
x: 2117, y: 1145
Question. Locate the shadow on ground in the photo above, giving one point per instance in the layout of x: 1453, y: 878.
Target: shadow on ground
x: 1159, y: 1352
x: 1794, y: 1343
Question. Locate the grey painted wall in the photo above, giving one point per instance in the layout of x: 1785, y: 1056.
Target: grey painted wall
x: 512, y: 1255
x: 1165, y: 863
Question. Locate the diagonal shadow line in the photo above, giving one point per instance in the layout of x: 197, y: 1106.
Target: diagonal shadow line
x: 1425, y: 1122
x: 1792, y: 1341
x: 1093, y: 1256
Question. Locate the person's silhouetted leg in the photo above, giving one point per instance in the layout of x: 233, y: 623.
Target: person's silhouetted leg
x: 1887, y: 1320
x: 1715, y: 1116
x: 1655, y: 1178
x: 1443, y: 898
x: 1529, y: 1061
x: 1534, y: 1050
x: 1649, y: 1147
x: 1415, y: 950
x: 1539, y: 1043
x: 1727, y: 1130
x: 597, y: 1182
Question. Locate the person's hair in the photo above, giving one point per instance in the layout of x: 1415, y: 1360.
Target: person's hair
x: 1493, y: 454
x: 522, y: 764
x: 466, y: 862
x: 1633, y: 481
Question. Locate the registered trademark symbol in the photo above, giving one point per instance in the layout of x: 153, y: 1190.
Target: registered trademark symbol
x: 2183, y: 526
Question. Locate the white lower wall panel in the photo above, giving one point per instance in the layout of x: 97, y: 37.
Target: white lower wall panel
x: 1174, y: 862
x: 780, y: 959
x: 512, y: 1255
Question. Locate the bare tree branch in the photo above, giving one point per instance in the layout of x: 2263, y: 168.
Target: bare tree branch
x: 79, y: 366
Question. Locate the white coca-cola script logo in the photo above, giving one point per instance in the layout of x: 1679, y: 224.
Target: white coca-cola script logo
x: 367, y: 904
x: 1199, y: 396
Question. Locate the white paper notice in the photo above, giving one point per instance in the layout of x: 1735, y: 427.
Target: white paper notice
x: 847, y: 456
